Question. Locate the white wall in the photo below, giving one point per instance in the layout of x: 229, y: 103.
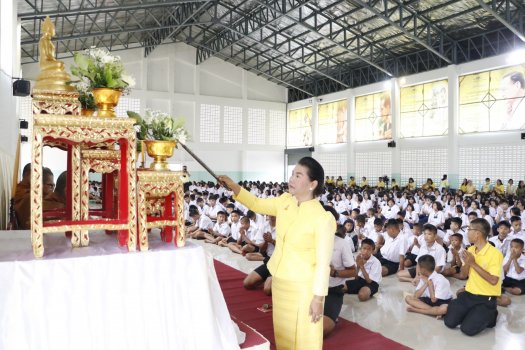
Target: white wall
x: 423, y: 157
x: 9, y: 63
x: 170, y: 80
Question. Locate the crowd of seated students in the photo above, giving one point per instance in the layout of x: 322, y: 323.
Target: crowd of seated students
x: 419, y: 234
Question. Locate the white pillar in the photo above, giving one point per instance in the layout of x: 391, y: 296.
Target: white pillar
x: 453, y: 114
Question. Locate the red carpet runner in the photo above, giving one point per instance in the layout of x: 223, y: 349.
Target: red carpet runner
x: 243, y: 305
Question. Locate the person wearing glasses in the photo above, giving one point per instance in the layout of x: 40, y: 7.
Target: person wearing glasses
x: 475, y: 308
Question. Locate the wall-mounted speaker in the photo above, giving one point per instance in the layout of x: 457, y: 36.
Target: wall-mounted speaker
x: 24, y: 124
x: 21, y: 87
x: 311, y: 149
x: 391, y: 144
x: 523, y: 135
x: 23, y: 138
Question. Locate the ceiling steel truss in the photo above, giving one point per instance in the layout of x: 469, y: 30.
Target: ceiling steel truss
x: 312, y: 47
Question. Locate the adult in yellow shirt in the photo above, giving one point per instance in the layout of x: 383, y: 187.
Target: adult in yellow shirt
x: 339, y: 182
x: 499, y: 188
x: 475, y: 308
x: 411, y: 185
x: 463, y: 186
x: 352, y: 183
x: 381, y: 183
x: 300, y: 263
x: 364, y: 182
x: 486, y: 188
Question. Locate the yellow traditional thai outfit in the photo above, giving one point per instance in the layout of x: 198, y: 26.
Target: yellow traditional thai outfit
x: 300, y: 266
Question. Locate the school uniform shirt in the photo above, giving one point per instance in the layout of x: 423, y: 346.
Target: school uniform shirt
x: 205, y: 223
x: 365, y: 205
x: 412, y: 217
x: 350, y: 241
x: 493, y: 212
x: 222, y: 229
x: 211, y: 212
x: 489, y: 219
x: 342, y: 219
x: 373, y: 235
x: 426, y: 209
x: 441, y: 286
x: 340, y: 207
x: 436, y: 250
x: 450, y: 256
x: 449, y: 233
x: 512, y: 269
x: 234, y: 230
x: 436, y: 218
x: 394, y: 247
x: 342, y: 257
x: 513, y: 235
x: 503, y: 246
x: 420, y: 241
x: 417, y: 208
x: 373, y: 268
x: 390, y: 212
x: 269, y: 247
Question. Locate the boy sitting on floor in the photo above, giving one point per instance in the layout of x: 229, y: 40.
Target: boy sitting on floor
x: 202, y: 224
x: 246, y: 236
x: 514, y: 268
x: 368, y: 271
x: 220, y: 231
x: 454, y: 262
x: 433, y: 292
x: 431, y: 247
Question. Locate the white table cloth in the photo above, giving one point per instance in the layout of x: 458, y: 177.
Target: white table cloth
x: 102, y: 297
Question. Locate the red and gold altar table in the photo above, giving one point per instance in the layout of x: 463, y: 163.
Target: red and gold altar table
x: 79, y: 133
x: 101, y: 297
x: 167, y: 189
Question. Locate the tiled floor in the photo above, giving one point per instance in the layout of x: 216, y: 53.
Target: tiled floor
x: 385, y: 313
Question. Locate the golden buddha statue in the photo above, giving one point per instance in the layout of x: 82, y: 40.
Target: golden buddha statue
x: 53, y: 76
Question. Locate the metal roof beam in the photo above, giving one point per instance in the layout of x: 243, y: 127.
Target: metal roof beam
x: 183, y: 16
x: 416, y: 27
x: 70, y: 11
x: 364, y: 46
x: 250, y: 24
x: 507, y: 13
x: 111, y: 32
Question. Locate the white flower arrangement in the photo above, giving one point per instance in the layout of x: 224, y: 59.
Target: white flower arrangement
x: 157, y: 125
x: 101, y: 69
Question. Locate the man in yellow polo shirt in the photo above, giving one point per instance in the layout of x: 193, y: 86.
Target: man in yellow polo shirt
x: 475, y: 308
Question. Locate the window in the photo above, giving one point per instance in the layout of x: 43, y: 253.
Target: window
x: 492, y: 100
x: 373, y: 117
x: 232, y: 132
x: 300, y: 127
x: 256, y: 126
x: 332, y: 122
x: 276, y: 127
x: 210, y: 122
x: 424, y: 109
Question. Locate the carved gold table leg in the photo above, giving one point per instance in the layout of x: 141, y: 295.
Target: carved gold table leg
x: 84, y: 204
x: 75, y: 193
x: 132, y: 195
x: 142, y: 218
x: 180, y: 232
x: 37, y: 236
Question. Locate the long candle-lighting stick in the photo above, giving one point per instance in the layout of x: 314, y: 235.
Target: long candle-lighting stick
x: 201, y: 162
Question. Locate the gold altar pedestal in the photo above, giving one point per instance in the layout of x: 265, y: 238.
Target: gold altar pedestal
x: 79, y: 133
x: 160, y: 186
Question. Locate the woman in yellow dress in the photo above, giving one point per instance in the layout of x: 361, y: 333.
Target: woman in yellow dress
x: 300, y: 263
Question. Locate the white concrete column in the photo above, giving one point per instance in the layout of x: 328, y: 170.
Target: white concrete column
x: 453, y: 115
x: 350, y: 132
x: 395, y: 105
